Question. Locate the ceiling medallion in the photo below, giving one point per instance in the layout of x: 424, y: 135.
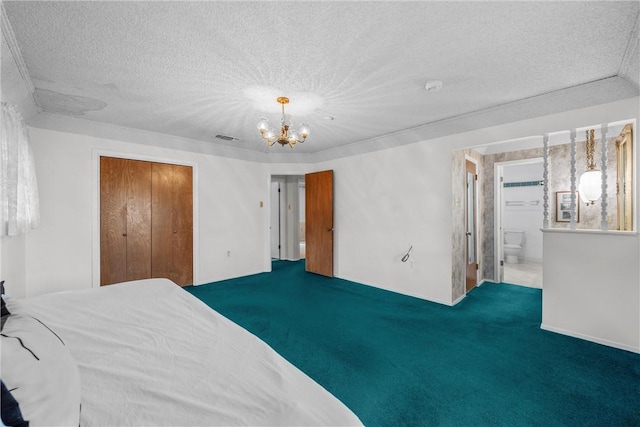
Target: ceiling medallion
x: 285, y: 137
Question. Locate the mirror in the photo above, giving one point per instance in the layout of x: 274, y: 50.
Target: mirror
x: 471, y: 219
x: 624, y: 180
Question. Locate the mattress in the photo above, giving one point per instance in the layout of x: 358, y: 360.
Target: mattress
x: 149, y: 353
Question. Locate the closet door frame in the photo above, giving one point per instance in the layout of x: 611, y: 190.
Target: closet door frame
x: 95, y: 226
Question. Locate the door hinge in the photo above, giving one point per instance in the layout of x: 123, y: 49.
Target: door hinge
x: 476, y: 177
x: 477, y: 266
x: 501, y: 263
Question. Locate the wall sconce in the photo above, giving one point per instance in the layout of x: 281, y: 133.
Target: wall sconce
x: 590, y: 186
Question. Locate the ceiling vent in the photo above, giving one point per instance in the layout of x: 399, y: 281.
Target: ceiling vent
x: 227, y: 138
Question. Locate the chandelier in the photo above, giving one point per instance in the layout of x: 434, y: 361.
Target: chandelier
x: 285, y: 137
x: 590, y: 186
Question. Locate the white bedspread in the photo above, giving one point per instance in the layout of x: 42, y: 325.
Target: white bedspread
x: 150, y: 353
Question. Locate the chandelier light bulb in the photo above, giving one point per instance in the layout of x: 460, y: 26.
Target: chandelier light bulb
x: 304, y: 131
x: 590, y: 186
x: 269, y: 134
x: 263, y: 124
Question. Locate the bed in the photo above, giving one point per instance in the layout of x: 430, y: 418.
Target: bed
x: 148, y: 353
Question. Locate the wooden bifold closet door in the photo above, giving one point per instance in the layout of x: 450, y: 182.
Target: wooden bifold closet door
x: 146, y: 221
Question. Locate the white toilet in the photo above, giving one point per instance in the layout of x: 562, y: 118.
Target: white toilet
x: 513, y: 241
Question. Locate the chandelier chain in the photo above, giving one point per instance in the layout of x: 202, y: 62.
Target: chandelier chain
x: 591, y: 163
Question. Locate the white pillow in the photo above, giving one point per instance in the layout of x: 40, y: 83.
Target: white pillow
x: 40, y: 373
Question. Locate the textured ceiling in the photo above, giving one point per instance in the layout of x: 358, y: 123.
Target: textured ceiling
x: 198, y: 69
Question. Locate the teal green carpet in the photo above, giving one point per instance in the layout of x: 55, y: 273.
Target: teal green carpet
x: 401, y: 361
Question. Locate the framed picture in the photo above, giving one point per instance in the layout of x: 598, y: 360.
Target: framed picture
x: 563, y: 206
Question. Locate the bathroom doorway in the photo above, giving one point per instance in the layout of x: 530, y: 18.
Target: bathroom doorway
x: 519, y: 216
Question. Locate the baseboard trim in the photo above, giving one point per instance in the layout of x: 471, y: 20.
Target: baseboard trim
x: 463, y: 296
x: 407, y: 294
x: 590, y: 338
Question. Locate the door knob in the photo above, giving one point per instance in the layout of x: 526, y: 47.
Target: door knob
x: 468, y: 233
x: 330, y: 229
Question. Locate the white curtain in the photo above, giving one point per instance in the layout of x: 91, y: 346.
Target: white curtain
x: 19, y: 204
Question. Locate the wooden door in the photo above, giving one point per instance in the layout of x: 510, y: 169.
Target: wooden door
x: 471, y: 226
x: 146, y: 221
x: 125, y: 220
x: 172, y: 223
x: 319, y: 222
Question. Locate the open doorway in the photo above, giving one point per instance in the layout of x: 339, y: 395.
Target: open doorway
x: 287, y: 217
x: 519, y: 215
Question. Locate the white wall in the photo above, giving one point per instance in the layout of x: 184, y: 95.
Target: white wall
x: 388, y: 200
x: 13, y: 271
x: 592, y: 287
x: 385, y: 202
x: 62, y: 253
